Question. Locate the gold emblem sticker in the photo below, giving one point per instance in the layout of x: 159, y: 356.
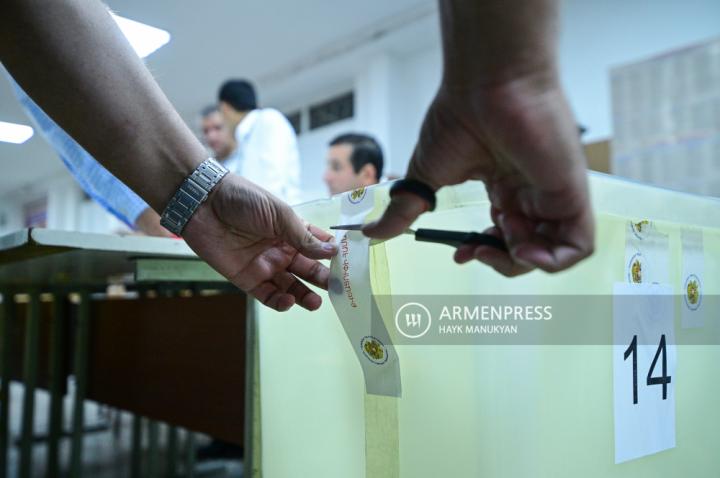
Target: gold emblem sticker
x: 357, y: 195
x: 693, y: 292
x: 635, y: 269
x: 374, y: 350
x: 641, y: 229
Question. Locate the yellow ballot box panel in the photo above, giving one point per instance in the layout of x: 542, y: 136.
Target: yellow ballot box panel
x: 545, y: 406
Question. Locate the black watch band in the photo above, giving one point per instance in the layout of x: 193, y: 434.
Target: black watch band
x: 416, y: 187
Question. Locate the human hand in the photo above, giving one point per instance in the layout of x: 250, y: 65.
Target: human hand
x: 521, y: 139
x: 148, y: 222
x: 258, y: 243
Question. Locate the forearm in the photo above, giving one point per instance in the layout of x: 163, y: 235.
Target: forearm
x: 493, y: 42
x: 74, y: 62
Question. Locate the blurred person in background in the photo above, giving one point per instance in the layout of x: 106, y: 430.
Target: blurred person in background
x: 353, y: 160
x: 217, y: 137
x: 267, y: 152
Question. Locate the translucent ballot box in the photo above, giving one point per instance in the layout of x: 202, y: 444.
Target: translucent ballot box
x: 611, y: 369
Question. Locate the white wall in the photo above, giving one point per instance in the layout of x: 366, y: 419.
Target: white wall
x: 393, y: 91
x: 11, y: 204
x: 598, y: 35
x: 416, y: 80
x: 11, y: 217
x: 67, y: 208
x: 64, y: 200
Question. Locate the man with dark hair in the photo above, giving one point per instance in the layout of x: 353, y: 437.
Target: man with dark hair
x: 239, y: 95
x: 267, y: 151
x: 216, y: 136
x: 354, y: 160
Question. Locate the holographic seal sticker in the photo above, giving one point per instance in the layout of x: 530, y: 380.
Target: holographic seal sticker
x: 374, y: 350
x: 693, y: 292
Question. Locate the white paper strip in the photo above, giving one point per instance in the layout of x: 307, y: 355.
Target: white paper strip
x: 646, y: 254
x: 350, y: 293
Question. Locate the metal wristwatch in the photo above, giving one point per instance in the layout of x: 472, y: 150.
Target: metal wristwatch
x: 193, y: 192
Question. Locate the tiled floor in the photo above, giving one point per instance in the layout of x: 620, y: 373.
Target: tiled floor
x: 106, y: 453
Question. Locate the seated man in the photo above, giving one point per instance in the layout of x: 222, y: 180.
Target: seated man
x: 353, y: 161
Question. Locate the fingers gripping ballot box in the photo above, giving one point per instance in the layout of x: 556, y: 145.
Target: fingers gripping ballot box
x: 608, y: 369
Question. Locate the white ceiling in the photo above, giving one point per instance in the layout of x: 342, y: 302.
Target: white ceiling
x: 270, y: 41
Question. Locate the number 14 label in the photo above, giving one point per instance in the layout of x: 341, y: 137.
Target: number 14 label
x: 644, y: 363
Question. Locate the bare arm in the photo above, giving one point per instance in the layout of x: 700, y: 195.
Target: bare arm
x: 501, y: 116
x: 492, y: 42
x: 74, y: 62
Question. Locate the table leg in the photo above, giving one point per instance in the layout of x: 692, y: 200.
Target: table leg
x: 190, y: 455
x: 153, y: 462
x: 172, y: 452
x: 7, y: 319
x: 136, y: 447
x: 57, y: 377
x: 80, y: 372
x: 30, y: 371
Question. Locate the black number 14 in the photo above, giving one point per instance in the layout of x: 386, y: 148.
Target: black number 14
x: 663, y: 380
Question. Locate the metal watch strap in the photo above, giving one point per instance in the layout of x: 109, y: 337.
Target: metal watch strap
x: 193, y: 191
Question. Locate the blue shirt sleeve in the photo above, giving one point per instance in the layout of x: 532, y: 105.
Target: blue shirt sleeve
x: 98, y: 182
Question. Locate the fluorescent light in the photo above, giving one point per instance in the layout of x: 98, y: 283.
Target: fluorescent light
x: 15, y: 133
x: 143, y: 38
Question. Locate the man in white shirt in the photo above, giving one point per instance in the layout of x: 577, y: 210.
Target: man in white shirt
x: 267, y: 151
